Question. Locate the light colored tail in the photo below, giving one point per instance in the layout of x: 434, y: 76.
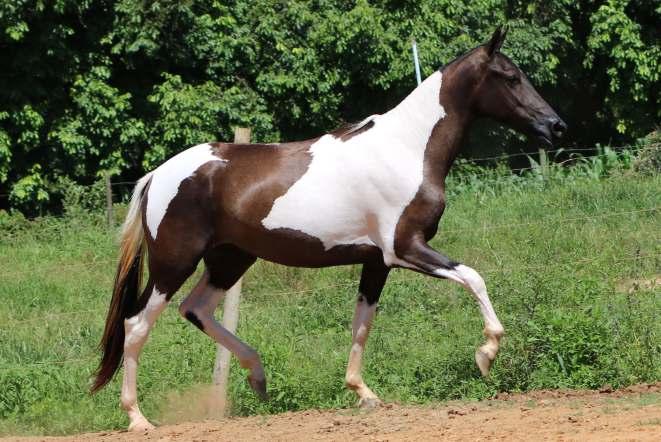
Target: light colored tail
x: 128, y: 280
x: 132, y: 234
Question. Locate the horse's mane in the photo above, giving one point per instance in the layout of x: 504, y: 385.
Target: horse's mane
x: 349, y: 129
x: 459, y: 58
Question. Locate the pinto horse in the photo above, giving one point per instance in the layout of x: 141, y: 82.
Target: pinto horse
x: 370, y: 194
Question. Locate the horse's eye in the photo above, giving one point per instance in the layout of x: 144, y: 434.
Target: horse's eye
x: 512, y: 80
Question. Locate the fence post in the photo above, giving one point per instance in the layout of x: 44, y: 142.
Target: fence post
x: 230, y: 311
x: 543, y: 162
x: 108, y: 199
x: 416, y: 62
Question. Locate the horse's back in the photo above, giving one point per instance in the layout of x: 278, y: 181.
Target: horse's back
x: 211, y: 185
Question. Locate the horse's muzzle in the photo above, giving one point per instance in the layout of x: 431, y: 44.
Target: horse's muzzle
x: 549, y: 129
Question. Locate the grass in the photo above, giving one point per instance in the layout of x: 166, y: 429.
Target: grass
x: 552, y: 253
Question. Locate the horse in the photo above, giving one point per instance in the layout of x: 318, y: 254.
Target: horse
x: 369, y: 194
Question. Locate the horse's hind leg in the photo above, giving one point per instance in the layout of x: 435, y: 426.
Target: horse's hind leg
x: 136, y: 332
x: 163, y: 283
x: 225, y: 266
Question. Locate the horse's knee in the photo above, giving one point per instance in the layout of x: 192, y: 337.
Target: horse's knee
x: 128, y: 400
x: 193, y: 315
x: 472, y: 280
x: 136, y: 328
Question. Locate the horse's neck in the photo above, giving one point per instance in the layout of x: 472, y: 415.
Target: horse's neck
x: 432, y: 123
x: 416, y: 115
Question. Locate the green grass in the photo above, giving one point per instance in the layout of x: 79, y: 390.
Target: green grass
x: 553, y: 264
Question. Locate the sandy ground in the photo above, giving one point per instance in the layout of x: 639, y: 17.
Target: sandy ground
x: 630, y: 414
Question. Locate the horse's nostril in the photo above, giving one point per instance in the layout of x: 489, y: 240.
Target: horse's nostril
x: 559, y: 127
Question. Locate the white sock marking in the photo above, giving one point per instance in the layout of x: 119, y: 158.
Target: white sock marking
x: 362, y: 322
x: 136, y: 332
x: 472, y: 280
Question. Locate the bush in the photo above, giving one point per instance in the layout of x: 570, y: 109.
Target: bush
x: 648, y: 160
x: 77, y: 198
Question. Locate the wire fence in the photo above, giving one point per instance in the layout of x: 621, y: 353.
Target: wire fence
x: 500, y: 269
x: 542, y: 169
x: 94, y: 357
x: 477, y: 160
x: 474, y: 160
x: 557, y: 151
x: 94, y: 264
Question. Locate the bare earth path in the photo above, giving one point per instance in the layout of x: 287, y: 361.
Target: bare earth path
x: 633, y: 413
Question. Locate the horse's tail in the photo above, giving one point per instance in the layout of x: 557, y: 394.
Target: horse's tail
x: 125, y: 292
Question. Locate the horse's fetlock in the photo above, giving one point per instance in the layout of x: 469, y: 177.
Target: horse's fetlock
x: 127, y: 401
x: 496, y: 332
x: 353, y: 381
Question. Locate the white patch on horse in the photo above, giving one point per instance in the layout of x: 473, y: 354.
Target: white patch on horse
x: 362, y: 322
x: 167, y: 178
x: 355, y: 191
x: 473, y: 282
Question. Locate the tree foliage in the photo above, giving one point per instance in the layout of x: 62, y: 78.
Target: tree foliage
x: 120, y: 85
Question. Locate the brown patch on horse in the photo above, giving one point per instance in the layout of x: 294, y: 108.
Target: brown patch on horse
x: 184, y: 232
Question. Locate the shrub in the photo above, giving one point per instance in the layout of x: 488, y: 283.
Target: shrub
x: 648, y: 160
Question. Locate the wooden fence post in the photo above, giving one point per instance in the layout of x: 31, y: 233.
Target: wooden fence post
x: 108, y: 199
x: 543, y: 162
x: 221, y: 369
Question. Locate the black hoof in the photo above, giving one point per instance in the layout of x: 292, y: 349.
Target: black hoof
x: 259, y: 386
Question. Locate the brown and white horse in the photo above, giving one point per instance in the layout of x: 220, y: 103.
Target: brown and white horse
x: 372, y: 194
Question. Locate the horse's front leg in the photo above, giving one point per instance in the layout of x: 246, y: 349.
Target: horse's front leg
x: 419, y: 256
x: 372, y: 279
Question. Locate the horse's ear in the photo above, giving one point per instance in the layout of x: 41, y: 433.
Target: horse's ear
x: 496, y: 41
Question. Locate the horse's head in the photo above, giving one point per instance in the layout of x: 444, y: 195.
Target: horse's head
x: 504, y: 93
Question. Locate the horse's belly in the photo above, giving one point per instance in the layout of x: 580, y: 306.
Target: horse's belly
x: 327, y: 220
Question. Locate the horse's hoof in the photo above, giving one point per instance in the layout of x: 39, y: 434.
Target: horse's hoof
x: 483, y: 362
x: 141, y: 426
x: 259, y: 386
x: 369, y: 403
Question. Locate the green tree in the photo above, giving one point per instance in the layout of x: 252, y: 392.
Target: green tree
x: 120, y: 85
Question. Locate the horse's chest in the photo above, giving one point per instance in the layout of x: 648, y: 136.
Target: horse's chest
x: 350, y: 194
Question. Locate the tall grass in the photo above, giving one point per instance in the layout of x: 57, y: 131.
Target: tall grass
x: 565, y: 254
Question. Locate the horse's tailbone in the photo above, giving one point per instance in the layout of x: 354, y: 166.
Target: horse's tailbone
x: 125, y: 292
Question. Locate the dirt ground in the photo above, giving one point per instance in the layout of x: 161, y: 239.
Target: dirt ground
x: 632, y: 413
